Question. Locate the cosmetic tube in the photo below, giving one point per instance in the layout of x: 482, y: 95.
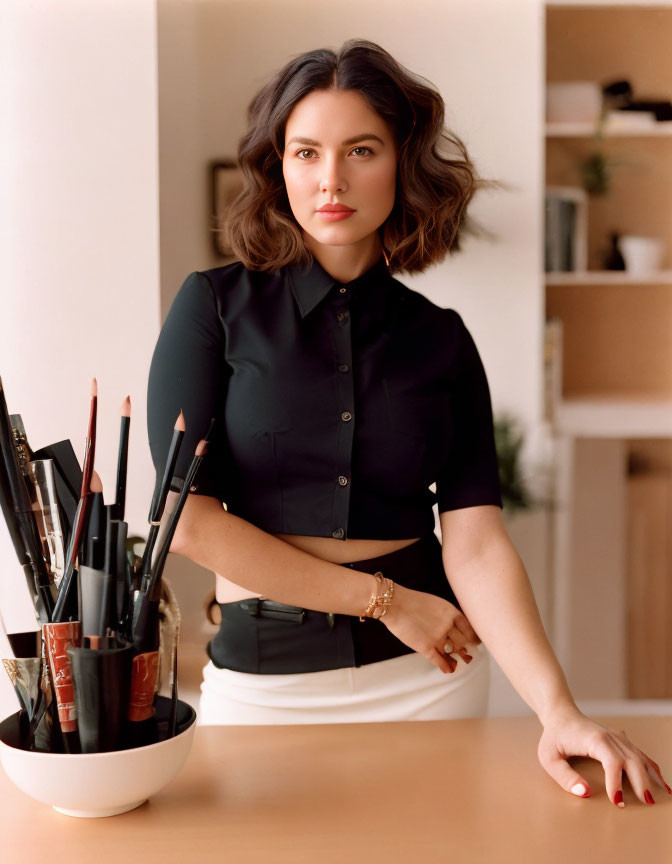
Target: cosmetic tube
x: 102, y: 681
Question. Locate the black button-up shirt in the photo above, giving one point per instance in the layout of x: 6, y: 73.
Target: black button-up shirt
x: 337, y: 405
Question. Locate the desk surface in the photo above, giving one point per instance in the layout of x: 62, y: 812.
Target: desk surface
x: 421, y: 792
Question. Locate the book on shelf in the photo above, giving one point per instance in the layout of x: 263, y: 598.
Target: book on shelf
x: 565, y: 229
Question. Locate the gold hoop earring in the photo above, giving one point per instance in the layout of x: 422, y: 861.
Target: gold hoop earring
x: 387, y: 260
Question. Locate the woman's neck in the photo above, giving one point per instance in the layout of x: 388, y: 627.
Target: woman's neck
x: 345, y: 263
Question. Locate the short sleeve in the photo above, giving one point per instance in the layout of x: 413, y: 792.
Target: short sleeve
x: 188, y: 373
x: 470, y: 475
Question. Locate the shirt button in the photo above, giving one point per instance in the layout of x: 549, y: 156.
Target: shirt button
x: 343, y: 367
x: 341, y: 316
x: 342, y: 290
x: 343, y: 480
x: 338, y: 533
x: 346, y: 415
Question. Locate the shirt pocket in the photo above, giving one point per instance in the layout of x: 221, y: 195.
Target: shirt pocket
x: 260, y: 492
x: 411, y: 436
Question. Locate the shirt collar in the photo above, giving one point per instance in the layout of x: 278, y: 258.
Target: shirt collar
x: 311, y: 284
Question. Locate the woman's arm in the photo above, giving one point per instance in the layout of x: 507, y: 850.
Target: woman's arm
x: 254, y: 559
x: 494, y: 591
x: 492, y: 587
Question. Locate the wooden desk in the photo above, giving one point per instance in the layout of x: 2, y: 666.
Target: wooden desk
x: 458, y: 791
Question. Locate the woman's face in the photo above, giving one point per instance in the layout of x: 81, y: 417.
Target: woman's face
x: 338, y: 150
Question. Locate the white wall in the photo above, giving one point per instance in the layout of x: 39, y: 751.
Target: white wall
x: 79, y: 261
x: 80, y: 168
x: 487, y: 59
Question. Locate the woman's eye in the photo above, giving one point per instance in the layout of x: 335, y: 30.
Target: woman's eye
x: 308, y: 159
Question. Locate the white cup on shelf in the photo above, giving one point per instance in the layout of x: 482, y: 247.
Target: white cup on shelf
x: 641, y: 254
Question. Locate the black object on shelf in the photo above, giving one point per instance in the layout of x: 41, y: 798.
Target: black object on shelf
x: 613, y: 260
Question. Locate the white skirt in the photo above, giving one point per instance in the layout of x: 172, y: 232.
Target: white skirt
x: 402, y: 688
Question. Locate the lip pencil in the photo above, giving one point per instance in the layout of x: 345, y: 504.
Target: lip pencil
x: 65, y: 601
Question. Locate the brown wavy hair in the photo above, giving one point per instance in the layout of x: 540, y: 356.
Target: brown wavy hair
x: 432, y: 189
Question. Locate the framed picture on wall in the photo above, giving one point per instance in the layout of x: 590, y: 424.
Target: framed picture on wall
x: 226, y: 182
x: 565, y: 229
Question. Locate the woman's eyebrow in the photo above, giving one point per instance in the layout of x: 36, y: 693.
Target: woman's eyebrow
x: 368, y: 136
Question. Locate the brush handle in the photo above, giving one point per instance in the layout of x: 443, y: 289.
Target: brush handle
x: 157, y: 570
x: 148, y: 551
x: 161, y: 493
x: 122, y: 469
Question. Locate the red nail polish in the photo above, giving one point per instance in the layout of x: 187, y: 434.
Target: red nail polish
x: 648, y: 797
x: 618, y: 799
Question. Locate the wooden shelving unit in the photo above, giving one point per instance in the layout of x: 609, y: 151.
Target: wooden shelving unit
x: 648, y: 129
x: 609, y: 277
x: 611, y: 392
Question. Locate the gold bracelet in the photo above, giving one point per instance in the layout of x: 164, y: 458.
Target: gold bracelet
x: 381, y: 599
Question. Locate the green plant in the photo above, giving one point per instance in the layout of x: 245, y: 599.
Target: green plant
x: 596, y: 168
x: 508, y: 441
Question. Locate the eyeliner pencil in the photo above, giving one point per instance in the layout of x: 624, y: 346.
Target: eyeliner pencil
x: 153, y: 586
x: 160, y: 495
x: 122, y: 461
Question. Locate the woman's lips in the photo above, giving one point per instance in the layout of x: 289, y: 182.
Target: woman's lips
x: 334, y: 215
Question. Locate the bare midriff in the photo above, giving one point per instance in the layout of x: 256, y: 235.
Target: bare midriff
x: 338, y: 551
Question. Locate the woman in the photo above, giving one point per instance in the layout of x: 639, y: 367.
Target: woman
x: 339, y: 397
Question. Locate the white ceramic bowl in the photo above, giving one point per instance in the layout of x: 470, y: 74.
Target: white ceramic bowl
x: 97, y: 784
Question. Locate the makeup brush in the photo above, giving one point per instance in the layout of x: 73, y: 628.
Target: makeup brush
x: 94, y: 539
x: 160, y: 495
x: 22, y: 524
x: 122, y: 461
x: 145, y: 622
x: 108, y: 612
x: 172, y: 717
x: 87, y: 471
x: 153, y: 588
x: 14, y: 528
x: 68, y: 586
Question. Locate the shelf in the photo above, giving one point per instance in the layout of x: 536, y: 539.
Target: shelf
x: 613, y: 417
x: 651, y: 129
x: 608, y: 277
x: 602, y: 3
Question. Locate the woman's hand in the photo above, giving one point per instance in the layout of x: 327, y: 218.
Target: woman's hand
x: 426, y: 622
x: 571, y: 733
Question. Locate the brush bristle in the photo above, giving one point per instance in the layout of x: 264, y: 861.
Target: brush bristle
x: 201, y: 447
x: 179, y: 423
x: 96, y: 484
x: 126, y: 407
x: 94, y: 388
